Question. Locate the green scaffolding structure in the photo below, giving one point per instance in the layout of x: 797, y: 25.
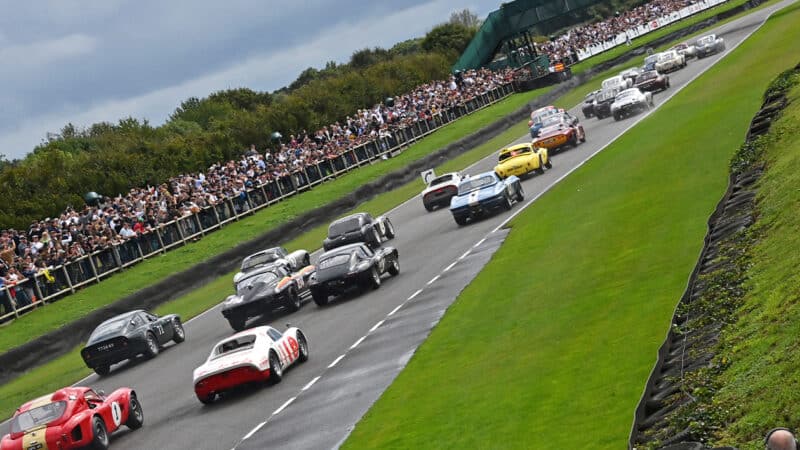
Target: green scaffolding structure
x: 516, y: 23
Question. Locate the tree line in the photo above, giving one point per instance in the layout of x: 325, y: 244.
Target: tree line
x: 110, y: 158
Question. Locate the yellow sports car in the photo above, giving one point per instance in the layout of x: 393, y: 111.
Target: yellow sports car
x: 522, y: 159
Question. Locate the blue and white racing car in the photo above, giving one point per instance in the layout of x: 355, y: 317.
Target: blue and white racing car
x: 483, y: 194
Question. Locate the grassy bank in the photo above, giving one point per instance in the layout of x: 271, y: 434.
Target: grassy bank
x: 759, y: 388
x: 563, y: 357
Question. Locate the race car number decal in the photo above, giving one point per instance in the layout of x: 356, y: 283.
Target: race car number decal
x: 116, y: 413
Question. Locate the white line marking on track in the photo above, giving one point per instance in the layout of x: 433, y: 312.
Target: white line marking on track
x: 433, y: 280
x: 283, y: 406
x: 311, y: 383
x: 412, y: 296
x: 395, y: 310
x: 450, y: 266
x: 360, y: 340
x: 375, y: 327
x: 464, y: 255
x: 254, y: 431
x: 335, y: 361
x: 479, y: 242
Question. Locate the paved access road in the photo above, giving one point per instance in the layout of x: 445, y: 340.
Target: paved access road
x: 428, y: 243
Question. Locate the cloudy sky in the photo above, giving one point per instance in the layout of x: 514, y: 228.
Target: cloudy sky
x: 90, y: 61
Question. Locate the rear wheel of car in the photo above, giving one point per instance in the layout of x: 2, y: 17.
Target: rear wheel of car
x: 99, y: 434
x: 151, y: 346
x: 394, y: 267
x: 302, y: 345
x: 376, y: 237
x: 178, y: 333
x: 520, y: 194
x: 292, y: 301
x: 275, y: 368
x: 549, y: 163
x: 320, y: 296
x: 374, y: 280
x: 135, y: 413
x: 540, y: 170
x: 306, y: 261
x: 208, y: 399
x: 460, y: 220
x: 507, y: 202
x: 237, y: 323
x: 389, y: 230
x: 102, y: 370
x: 428, y: 207
x: 583, y: 136
x: 617, y: 117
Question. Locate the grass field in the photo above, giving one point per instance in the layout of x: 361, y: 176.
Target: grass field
x: 70, y: 366
x: 559, y: 359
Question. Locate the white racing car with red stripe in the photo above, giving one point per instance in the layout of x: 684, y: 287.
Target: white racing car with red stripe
x: 256, y: 355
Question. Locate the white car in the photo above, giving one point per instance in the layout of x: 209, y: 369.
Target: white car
x: 440, y: 190
x: 708, y: 45
x: 670, y: 60
x: 631, y: 73
x: 650, y: 62
x: 629, y: 102
x: 294, y: 261
x: 617, y: 82
x: 256, y: 355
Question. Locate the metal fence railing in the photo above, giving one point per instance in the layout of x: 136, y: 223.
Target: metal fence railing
x: 57, y: 282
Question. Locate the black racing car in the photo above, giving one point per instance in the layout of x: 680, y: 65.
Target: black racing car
x: 354, y: 265
x: 603, y: 101
x: 588, y: 104
x: 264, y: 289
x: 359, y: 227
x: 128, y: 335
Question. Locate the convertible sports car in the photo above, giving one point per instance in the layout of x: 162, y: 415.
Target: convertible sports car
x: 261, y: 291
x: 295, y: 260
x: 587, y: 108
x: 558, y: 131
x: 669, y: 61
x: 651, y: 81
x: 617, y: 82
x: 539, y: 115
x: 128, y: 335
x: 73, y: 417
x: 354, y: 265
x: 521, y: 159
x: 255, y: 355
x: 631, y: 101
x: 440, y: 190
x: 708, y: 45
x: 358, y: 227
x: 484, y: 193
x: 603, y: 101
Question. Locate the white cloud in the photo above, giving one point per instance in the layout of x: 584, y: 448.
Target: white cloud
x: 30, y: 56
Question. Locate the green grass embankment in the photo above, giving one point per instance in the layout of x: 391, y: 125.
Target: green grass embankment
x: 759, y: 389
x: 550, y: 346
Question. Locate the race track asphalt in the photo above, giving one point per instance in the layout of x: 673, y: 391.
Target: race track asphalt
x: 427, y: 243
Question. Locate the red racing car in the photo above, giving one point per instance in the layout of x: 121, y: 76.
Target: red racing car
x: 72, y: 417
x: 558, y: 131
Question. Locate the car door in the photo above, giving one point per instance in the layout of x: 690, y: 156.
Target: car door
x: 286, y: 346
x: 162, y: 330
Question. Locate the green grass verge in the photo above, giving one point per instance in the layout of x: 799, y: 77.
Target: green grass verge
x: 558, y: 358
x: 759, y: 388
x: 70, y: 368
x: 157, y: 268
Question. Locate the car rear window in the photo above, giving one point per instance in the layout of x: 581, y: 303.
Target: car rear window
x: 442, y: 179
x: 259, y: 259
x: 342, y: 227
x: 334, y: 260
x: 38, y: 416
x: 235, y: 345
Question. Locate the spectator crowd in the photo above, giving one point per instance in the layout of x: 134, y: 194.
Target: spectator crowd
x: 566, y: 46
x: 51, y: 242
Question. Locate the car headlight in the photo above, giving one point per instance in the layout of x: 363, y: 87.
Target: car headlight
x: 233, y: 300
